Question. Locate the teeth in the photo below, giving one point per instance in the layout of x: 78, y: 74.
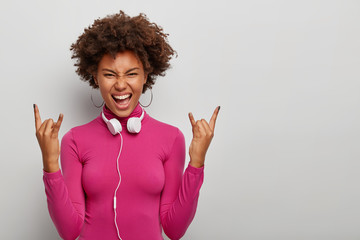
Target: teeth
x: 122, y: 97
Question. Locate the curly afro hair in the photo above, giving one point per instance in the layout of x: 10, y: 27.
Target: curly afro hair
x: 119, y: 32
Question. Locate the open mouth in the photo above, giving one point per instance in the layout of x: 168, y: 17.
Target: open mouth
x: 123, y: 99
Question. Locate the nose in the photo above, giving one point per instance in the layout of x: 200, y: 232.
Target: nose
x: 120, y: 83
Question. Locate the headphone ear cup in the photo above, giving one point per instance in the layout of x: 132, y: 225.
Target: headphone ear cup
x: 114, y: 126
x: 134, y: 125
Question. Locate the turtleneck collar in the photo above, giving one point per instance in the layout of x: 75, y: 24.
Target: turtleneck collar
x: 123, y: 120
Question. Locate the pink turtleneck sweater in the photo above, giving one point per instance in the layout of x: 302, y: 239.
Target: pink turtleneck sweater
x: 154, y: 192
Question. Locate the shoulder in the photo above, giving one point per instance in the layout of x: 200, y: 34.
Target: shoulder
x: 163, y: 133
x: 162, y: 128
x: 165, y: 137
x: 84, y: 131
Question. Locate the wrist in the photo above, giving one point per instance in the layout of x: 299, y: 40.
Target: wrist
x: 197, y: 163
x: 51, y: 167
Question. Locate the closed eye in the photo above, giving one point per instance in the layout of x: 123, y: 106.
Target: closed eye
x: 108, y: 75
x: 132, y: 74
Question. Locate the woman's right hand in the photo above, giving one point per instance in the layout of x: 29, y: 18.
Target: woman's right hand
x: 47, y: 136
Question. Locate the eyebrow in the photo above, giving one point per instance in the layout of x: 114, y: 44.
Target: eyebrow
x: 109, y: 70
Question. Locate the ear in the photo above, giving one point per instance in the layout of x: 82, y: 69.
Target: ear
x: 146, y: 76
x: 95, y: 80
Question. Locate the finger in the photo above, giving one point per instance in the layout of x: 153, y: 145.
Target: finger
x: 192, y: 120
x: 41, y: 130
x: 213, y: 118
x: 58, y: 124
x: 201, y: 127
x: 206, y: 126
x: 49, y: 126
x: 37, y: 117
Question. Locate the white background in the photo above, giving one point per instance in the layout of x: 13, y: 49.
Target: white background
x: 284, y: 162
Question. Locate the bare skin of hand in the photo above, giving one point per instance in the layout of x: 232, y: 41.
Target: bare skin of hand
x: 47, y: 136
x: 203, y: 132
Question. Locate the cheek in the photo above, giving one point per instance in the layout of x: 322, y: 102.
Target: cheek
x: 141, y: 87
x: 104, y: 89
x: 138, y: 85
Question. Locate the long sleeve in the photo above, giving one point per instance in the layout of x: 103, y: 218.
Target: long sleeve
x: 181, y: 191
x: 65, y: 196
x: 155, y: 193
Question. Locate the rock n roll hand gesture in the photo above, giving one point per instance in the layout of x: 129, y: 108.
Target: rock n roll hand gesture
x: 203, y: 132
x: 47, y: 136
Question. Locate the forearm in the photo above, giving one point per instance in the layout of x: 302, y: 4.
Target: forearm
x: 177, y: 218
x: 62, y: 211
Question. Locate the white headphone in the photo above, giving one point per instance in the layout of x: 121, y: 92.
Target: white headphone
x: 133, y: 124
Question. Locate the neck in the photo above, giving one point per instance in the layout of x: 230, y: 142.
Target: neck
x: 123, y: 120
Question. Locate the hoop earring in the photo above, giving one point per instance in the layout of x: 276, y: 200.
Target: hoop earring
x: 94, y: 103
x: 150, y: 100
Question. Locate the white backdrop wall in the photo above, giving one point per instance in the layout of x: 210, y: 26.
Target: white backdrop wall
x: 284, y: 162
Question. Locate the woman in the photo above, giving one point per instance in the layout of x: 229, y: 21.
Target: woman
x: 114, y: 183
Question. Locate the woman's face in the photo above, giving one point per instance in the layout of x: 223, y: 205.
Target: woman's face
x: 121, y: 82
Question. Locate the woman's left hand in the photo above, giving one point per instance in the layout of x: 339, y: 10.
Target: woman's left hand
x: 203, y: 132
